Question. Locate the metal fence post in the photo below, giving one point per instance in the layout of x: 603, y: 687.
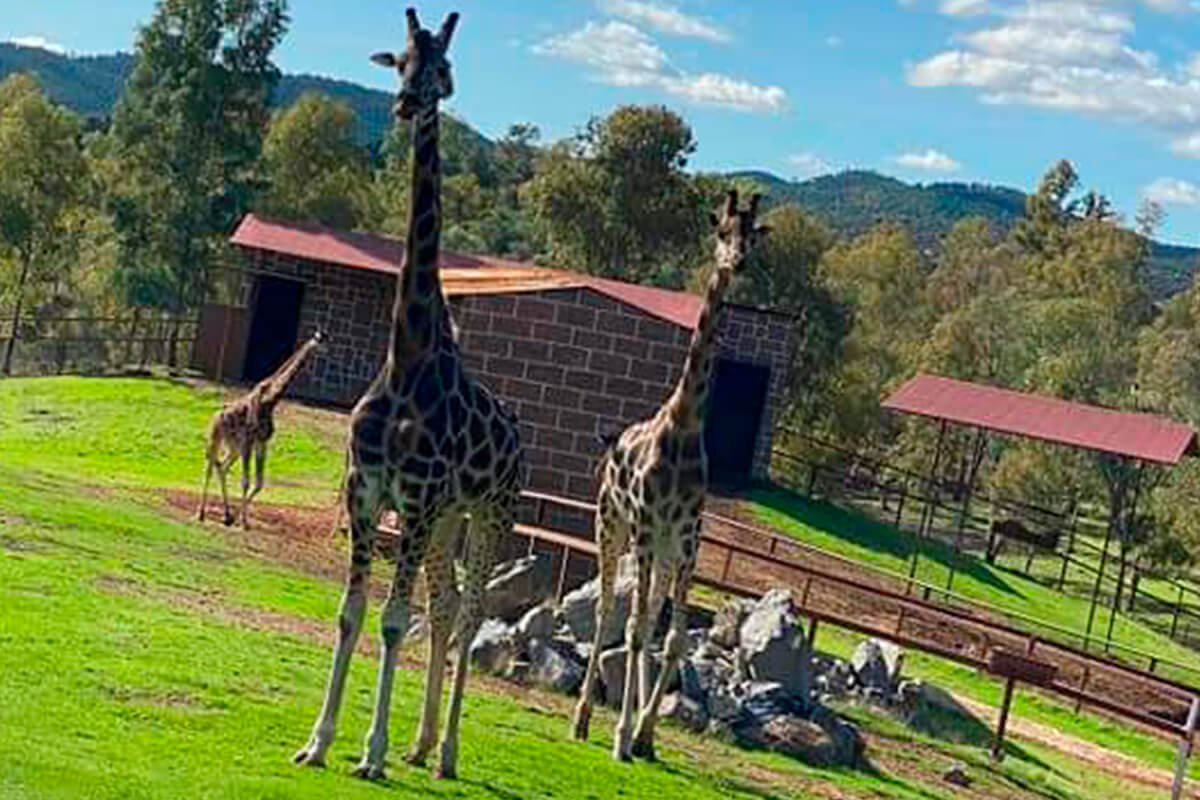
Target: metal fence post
x: 1185, y: 750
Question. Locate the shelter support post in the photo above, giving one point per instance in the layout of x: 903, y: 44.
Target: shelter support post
x: 1124, y: 537
x: 1113, y: 521
x: 964, y: 513
x: 930, y: 510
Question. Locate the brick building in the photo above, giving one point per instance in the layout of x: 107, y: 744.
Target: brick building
x: 574, y: 355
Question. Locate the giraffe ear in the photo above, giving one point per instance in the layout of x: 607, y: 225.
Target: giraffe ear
x: 414, y: 25
x: 385, y: 59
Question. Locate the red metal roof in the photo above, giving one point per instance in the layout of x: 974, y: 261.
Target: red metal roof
x: 462, y: 274
x: 1142, y: 436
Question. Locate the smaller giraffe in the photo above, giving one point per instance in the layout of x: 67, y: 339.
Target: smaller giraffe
x: 245, y: 426
x: 653, y: 480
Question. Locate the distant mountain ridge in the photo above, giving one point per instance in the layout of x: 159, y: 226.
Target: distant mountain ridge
x: 855, y: 201
x: 850, y: 203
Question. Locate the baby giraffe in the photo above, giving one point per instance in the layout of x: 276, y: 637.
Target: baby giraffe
x: 245, y: 426
x: 653, y: 482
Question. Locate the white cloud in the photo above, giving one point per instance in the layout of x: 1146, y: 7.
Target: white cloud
x: 711, y: 89
x: 620, y: 54
x: 930, y: 161
x: 1193, y: 66
x: 1173, y: 192
x: 964, y: 8
x: 1073, y: 56
x: 834, y: 41
x: 667, y: 19
x: 809, y: 164
x: 39, y: 42
x: 1187, y: 146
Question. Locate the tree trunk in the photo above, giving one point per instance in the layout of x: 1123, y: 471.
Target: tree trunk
x: 133, y: 328
x: 16, y: 318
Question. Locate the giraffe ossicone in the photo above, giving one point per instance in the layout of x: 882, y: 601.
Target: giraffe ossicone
x: 428, y: 441
x: 245, y: 427
x: 653, y: 479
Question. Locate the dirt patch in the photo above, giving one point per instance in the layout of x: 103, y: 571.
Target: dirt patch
x: 1115, y: 764
x: 141, y: 697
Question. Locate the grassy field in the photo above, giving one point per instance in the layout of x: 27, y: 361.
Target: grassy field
x: 862, y: 539
x: 146, y: 656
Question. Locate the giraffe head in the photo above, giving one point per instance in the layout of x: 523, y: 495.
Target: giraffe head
x: 424, y: 70
x: 737, y: 231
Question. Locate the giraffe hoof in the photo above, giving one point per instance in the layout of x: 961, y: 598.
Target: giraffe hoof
x: 308, y: 757
x: 643, y: 747
x: 369, y: 772
x: 229, y: 519
x: 415, y: 759
x: 579, y: 731
x: 446, y: 773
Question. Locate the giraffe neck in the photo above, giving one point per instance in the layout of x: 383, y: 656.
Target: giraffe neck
x: 418, y: 318
x: 687, y: 404
x: 274, y: 386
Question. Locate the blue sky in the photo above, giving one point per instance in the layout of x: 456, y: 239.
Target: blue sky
x: 926, y: 90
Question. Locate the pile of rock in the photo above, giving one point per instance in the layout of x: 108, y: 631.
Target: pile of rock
x: 749, y: 675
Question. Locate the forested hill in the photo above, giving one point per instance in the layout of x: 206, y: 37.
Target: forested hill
x: 853, y: 202
x: 849, y: 202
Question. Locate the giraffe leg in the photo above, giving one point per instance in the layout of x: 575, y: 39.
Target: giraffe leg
x: 611, y: 539
x: 208, y: 471
x: 482, y: 538
x: 362, y: 501
x: 635, y: 639
x: 643, y: 739
x: 245, y: 486
x: 223, y: 474
x: 260, y: 466
x: 442, y: 609
x: 394, y: 625
x: 659, y: 582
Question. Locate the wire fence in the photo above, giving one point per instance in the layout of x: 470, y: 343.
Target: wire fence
x: 1051, y: 547
x: 94, y: 345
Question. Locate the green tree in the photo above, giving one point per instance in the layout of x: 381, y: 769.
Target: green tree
x: 315, y: 170
x: 188, y: 134
x: 786, y: 275
x: 615, y: 200
x: 881, y: 277
x: 42, y: 180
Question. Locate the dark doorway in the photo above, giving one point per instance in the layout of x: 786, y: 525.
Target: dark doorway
x: 274, y: 326
x: 734, y: 413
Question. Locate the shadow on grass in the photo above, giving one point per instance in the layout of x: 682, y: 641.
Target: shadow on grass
x: 731, y: 785
x: 858, y: 531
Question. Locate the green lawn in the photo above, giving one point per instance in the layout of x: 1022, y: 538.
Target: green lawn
x: 862, y: 539
x: 144, y: 657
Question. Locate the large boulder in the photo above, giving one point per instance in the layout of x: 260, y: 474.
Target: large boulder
x: 727, y: 624
x: 823, y: 739
x: 612, y: 674
x: 538, y: 623
x: 774, y: 645
x: 877, y: 664
x: 518, y: 585
x: 578, y: 608
x: 551, y: 669
x: 495, y: 648
x: 684, y: 711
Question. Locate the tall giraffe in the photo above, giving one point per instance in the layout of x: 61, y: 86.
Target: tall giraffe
x: 653, y: 481
x: 429, y: 441
x: 246, y: 426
